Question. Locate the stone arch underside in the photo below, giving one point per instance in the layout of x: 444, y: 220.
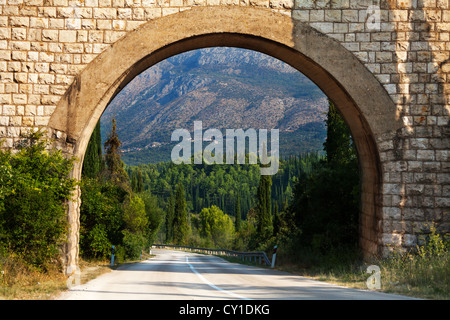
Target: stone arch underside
x: 362, y: 100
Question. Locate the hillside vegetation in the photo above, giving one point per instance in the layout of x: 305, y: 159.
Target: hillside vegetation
x: 295, y: 205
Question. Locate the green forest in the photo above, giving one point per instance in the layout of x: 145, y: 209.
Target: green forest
x: 313, y: 200
x: 309, y: 208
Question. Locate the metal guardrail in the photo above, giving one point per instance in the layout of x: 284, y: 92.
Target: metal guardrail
x: 255, y: 256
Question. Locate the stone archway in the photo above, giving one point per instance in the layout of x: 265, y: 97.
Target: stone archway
x: 362, y: 100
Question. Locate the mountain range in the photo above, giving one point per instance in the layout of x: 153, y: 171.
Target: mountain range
x: 224, y: 88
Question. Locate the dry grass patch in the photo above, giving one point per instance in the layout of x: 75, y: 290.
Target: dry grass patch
x: 19, y: 282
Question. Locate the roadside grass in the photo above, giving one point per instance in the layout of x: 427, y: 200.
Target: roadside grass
x: 411, y: 275
x: 408, y: 275
x: 423, y: 273
x: 32, y: 285
x: 20, y: 282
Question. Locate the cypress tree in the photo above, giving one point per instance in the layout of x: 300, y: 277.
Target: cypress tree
x: 237, y: 212
x: 276, y: 220
x: 139, y: 181
x: 264, y: 217
x: 180, y: 219
x: 169, y: 218
x: 197, y: 205
x: 115, y: 167
x: 93, y: 163
x: 134, y: 181
x: 338, y: 146
x: 325, y: 203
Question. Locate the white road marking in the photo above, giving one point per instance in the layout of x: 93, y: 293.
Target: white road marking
x: 213, y: 285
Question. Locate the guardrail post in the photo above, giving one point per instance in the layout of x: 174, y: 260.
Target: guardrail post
x: 113, y: 250
x: 274, y: 256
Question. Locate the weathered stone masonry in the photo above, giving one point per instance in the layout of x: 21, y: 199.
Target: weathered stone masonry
x: 46, y: 45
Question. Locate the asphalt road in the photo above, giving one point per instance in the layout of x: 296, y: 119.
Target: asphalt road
x: 188, y: 276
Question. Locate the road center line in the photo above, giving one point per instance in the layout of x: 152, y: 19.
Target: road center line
x: 213, y: 285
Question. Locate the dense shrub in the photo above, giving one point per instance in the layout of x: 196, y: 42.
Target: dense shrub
x: 35, y: 188
x: 217, y: 227
x: 101, y: 217
x: 133, y: 243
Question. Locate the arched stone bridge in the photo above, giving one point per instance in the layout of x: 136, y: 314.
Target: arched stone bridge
x: 385, y: 64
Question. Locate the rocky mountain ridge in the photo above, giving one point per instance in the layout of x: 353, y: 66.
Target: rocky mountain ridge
x: 224, y: 88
